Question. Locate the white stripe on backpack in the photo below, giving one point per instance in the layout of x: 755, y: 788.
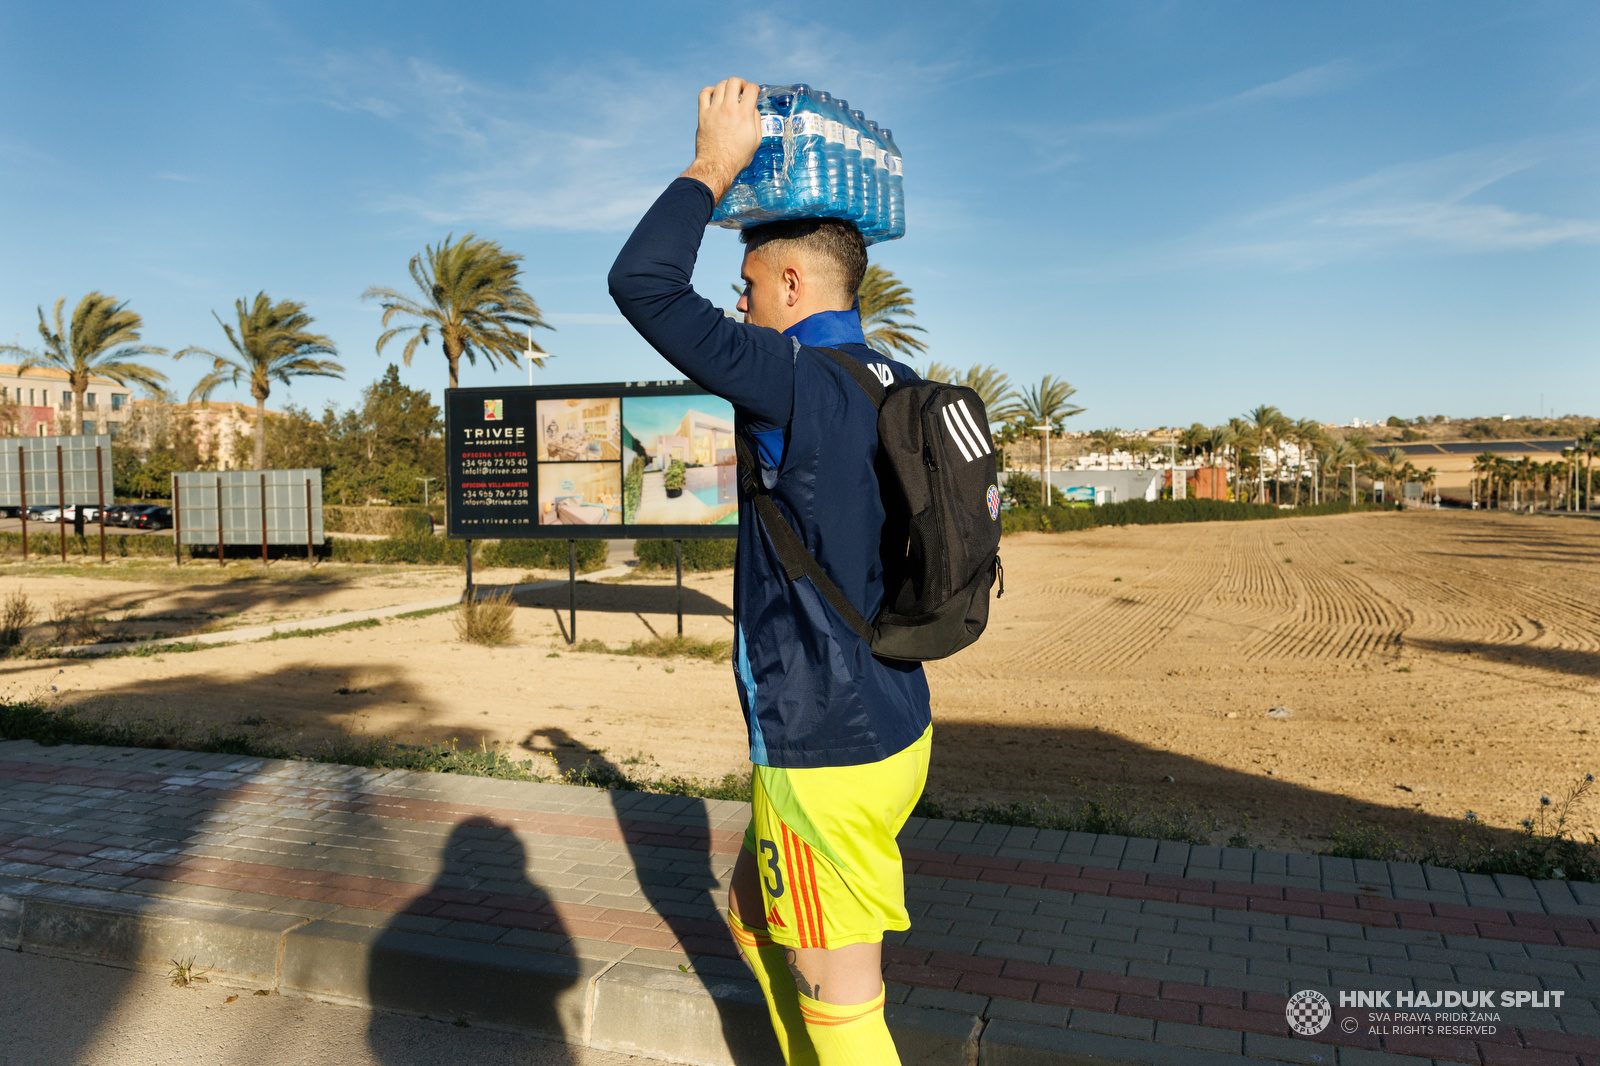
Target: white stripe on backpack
x: 956, y: 431
x: 977, y: 435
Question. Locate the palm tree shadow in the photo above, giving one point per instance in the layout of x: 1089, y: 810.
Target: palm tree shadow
x: 669, y: 843
x: 484, y: 871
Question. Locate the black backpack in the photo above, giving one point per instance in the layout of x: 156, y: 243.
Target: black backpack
x: 941, y: 536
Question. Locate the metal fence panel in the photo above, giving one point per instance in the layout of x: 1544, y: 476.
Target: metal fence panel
x: 38, y: 456
x: 242, y: 501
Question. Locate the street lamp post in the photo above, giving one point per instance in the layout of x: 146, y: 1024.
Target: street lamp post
x: 425, y: 481
x: 1044, y: 472
x: 1352, y: 467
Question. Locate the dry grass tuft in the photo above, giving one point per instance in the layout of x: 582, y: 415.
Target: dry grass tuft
x: 74, y: 621
x: 17, y: 614
x: 485, y: 621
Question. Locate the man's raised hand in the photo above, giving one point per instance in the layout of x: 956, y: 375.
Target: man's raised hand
x: 728, y: 135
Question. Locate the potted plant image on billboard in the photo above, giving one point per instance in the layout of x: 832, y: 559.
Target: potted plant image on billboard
x: 681, y: 468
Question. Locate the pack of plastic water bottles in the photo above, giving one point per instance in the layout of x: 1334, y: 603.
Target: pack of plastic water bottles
x: 818, y: 158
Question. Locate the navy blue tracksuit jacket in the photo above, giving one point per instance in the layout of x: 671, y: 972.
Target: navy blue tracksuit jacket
x: 812, y: 693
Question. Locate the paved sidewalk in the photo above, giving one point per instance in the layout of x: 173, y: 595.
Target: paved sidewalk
x: 593, y: 916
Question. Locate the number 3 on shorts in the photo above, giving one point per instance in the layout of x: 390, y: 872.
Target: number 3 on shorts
x: 773, y: 889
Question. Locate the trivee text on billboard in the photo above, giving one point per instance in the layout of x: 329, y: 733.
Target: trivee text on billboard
x: 617, y: 460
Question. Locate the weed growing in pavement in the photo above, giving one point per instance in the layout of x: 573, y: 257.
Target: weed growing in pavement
x: 1115, y: 810
x: 183, y: 974
x: 289, y: 634
x: 1545, y: 847
x: 485, y: 620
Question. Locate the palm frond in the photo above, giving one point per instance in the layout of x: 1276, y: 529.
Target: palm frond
x: 883, y: 301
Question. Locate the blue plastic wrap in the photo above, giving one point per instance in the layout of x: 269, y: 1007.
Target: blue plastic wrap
x: 818, y: 159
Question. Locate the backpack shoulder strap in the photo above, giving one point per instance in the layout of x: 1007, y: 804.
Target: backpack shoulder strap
x: 786, y: 542
x: 865, y: 378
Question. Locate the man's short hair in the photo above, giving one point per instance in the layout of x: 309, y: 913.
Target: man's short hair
x: 832, y: 243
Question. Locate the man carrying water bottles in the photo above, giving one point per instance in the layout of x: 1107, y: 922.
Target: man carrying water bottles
x: 839, y: 739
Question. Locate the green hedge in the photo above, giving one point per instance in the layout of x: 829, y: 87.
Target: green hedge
x: 698, y: 555
x: 118, y: 545
x: 543, y: 554
x: 387, y: 521
x: 412, y: 548
x: 1161, y: 512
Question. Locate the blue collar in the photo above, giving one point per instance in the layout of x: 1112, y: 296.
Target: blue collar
x: 828, y: 329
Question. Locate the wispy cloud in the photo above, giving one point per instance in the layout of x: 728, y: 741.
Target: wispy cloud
x: 585, y: 147
x: 1438, y: 205
x: 1312, y: 81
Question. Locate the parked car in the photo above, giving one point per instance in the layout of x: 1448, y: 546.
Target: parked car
x: 48, y: 514
x: 154, y: 518
x: 91, y: 513
x: 114, y: 514
x: 131, y: 513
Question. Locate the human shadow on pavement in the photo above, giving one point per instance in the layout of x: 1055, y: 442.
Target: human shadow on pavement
x: 669, y: 846
x: 445, y: 957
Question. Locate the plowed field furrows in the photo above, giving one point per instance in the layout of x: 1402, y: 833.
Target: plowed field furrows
x: 1431, y: 664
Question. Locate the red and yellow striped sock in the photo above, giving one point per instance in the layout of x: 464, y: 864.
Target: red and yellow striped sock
x: 777, y: 985
x: 849, y: 1035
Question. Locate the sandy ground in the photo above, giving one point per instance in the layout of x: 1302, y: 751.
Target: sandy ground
x: 1430, y: 664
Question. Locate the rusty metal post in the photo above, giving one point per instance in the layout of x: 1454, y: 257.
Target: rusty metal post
x: 61, y: 490
x: 177, y: 526
x: 100, y: 480
x: 219, y: 523
x: 22, y: 479
x: 263, y: 520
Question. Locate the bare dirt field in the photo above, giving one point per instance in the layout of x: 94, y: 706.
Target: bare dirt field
x: 1430, y: 664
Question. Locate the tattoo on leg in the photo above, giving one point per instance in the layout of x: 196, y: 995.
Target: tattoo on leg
x: 806, y: 988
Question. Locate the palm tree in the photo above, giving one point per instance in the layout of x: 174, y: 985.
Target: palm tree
x: 273, y: 343
x: 1047, y: 401
x: 471, y: 297
x: 102, y: 341
x: 883, y: 299
x: 1269, y: 424
x: 1307, y: 435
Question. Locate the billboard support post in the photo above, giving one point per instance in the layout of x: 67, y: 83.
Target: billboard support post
x: 311, y: 559
x: 177, y: 526
x: 264, y: 520
x: 572, y: 592
x: 100, y: 487
x: 219, y: 523
x: 61, y: 512
x: 677, y: 555
x: 467, y: 595
x: 22, y: 480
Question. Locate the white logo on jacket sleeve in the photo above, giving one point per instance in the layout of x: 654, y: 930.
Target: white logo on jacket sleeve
x: 963, y: 429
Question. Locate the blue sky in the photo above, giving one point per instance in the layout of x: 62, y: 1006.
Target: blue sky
x: 1185, y: 209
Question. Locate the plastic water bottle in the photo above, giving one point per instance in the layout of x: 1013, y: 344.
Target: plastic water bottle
x: 855, y: 194
x: 877, y: 225
x: 833, y: 154
x: 897, y: 192
x: 868, y: 182
x: 767, y: 168
x: 806, y: 155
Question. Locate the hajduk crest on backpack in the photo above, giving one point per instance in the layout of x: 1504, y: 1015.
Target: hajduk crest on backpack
x: 941, y: 499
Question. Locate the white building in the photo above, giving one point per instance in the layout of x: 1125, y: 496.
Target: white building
x: 43, y: 398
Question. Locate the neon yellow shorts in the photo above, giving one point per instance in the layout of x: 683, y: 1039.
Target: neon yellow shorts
x: 824, y: 842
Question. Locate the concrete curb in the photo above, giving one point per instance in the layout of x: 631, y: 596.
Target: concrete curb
x: 247, y: 634
x: 594, y: 1002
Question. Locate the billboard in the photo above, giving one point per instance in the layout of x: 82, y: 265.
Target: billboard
x: 620, y: 460
x: 85, y: 470
x: 239, y: 502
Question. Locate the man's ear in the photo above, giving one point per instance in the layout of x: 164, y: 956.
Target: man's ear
x: 792, y: 285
